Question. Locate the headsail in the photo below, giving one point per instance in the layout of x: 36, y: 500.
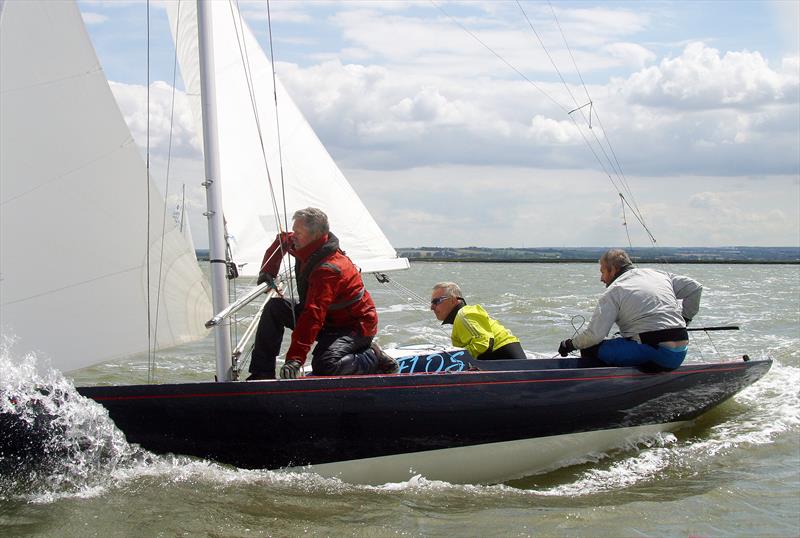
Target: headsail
x: 310, y: 175
x: 73, y: 198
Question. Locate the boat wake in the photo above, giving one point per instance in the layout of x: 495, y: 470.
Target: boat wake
x: 53, y: 440
x: 754, y: 417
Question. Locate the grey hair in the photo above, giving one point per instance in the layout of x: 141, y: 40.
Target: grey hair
x: 615, y: 258
x: 314, y: 219
x: 450, y: 288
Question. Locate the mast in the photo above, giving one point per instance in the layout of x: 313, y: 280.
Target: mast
x: 216, y: 225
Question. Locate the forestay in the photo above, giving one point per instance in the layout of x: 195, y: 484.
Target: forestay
x: 310, y: 175
x: 73, y: 206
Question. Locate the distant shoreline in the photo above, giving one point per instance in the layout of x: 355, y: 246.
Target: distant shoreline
x: 594, y: 260
x: 675, y: 255
x: 731, y: 255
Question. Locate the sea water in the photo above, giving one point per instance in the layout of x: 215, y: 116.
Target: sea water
x: 734, y: 472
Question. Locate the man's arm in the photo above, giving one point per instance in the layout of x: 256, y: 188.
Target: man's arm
x: 322, y: 288
x: 689, y: 291
x: 271, y: 263
x: 478, y: 339
x: 603, y: 318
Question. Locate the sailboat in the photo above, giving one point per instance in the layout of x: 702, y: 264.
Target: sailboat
x: 73, y: 193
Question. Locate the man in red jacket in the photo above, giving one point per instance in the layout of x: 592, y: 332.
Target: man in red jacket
x: 334, y: 308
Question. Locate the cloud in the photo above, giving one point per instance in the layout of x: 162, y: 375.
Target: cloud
x: 93, y: 18
x: 443, y: 140
x: 132, y: 100
x: 631, y: 54
x: 514, y: 206
x: 701, y: 78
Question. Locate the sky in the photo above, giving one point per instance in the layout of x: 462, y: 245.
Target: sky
x: 455, y: 121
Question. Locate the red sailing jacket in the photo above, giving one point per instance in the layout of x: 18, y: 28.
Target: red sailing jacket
x: 330, y: 288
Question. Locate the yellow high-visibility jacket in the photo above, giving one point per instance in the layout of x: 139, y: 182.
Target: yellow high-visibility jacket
x: 474, y: 330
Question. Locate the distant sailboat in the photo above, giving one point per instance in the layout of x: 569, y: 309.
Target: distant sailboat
x: 79, y: 250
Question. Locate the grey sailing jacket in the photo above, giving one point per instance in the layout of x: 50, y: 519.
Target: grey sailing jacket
x: 642, y: 300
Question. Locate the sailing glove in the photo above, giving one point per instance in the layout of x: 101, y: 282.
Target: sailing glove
x: 565, y: 348
x: 290, y: 369
x: 264, y: 276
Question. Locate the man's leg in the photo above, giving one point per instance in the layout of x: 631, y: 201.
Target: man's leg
x: 276, y: 317
x: 343, y: 354
x: 622, y: 352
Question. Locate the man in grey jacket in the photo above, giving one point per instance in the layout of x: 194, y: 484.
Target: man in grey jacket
x: 651, y: 309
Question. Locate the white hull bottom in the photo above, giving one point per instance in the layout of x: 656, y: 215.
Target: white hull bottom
x: 489, y: 463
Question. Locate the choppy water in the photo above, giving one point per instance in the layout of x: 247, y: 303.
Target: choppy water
x: 735, y: 472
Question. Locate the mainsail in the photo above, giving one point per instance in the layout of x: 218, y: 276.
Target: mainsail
x: 74, y: 243
x: 309, y: 176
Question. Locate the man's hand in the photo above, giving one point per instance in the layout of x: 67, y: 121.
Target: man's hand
x: 263, y: 277
x: 565, y: 348
x: 290, y: 369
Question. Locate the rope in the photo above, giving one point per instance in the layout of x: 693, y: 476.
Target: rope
x: 574, y: 329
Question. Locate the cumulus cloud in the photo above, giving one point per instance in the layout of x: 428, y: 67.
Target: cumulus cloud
x: 132, y: 100
x: 702, y: 78
x: 416, y: 111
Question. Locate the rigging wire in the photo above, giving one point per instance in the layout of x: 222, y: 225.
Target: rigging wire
x: 602, y: 128
x: 245, y: 59
x: 621, y: 184
x: 242, y: 44
x: 166, y: 186
x: 240, y: 31
x: 280, y: 150
x: 415, y: 299
x: 625, y: 220
x: 150, y: 350
x: 499, y: 57
x: 277, y: 119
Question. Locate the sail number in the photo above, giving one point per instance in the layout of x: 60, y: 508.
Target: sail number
x: 436, y: 362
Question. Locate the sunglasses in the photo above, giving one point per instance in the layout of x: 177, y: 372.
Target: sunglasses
x: 439, y: 300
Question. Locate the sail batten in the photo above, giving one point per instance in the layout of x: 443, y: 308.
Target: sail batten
x: 298, y: 161
x: 78, y: 269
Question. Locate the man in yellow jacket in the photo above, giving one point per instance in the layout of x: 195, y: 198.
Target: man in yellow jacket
x: 473, y: 329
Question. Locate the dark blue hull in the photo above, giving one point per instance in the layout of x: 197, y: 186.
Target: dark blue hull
x: 320, y: 420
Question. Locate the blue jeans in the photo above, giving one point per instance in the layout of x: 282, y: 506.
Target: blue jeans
x: 624, y: 352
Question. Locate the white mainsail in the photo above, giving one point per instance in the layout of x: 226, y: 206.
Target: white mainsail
x: 310, y: 175
x: 74, y: 190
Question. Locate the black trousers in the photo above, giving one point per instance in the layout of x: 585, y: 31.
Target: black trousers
x: 509, y: 351
x: 338, y: 351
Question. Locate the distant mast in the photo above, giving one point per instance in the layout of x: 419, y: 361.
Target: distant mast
x: 216, y: 224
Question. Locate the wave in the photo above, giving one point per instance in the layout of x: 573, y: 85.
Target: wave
x: 53, y: 440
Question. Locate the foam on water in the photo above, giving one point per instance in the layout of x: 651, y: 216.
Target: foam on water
x: 66, y: 443
x: 766, y: 410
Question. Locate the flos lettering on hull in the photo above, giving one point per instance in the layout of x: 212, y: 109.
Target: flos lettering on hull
x: 320, y: 420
